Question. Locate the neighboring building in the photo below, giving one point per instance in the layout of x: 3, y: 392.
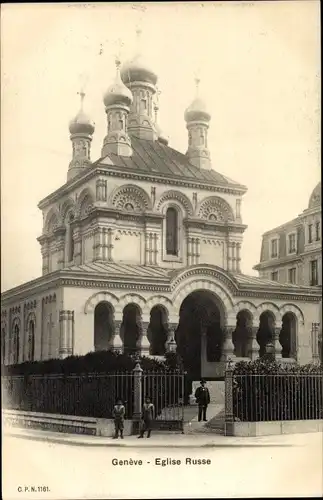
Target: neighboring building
x: 141, y: 251
x: 292, y: 253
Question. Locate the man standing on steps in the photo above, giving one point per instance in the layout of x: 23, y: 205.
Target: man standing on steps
x: 202, y: 396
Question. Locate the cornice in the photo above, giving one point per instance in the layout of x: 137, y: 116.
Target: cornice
x: 278, y: 262
x: 114, y: 214
x: 152, y: 284
x: 113, y: 171
x: 218, y: 226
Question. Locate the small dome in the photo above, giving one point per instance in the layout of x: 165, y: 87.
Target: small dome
x: 137, y: 70
x: 197, y: 112
x: 81, y: 124
x: 315, y: 198
x: 117, y: 93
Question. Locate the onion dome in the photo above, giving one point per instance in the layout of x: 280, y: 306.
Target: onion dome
x: 197, y: 110
x: 82, y: 123
x: 315, y: 198
x: 117, y: 93
x: 137, y: 70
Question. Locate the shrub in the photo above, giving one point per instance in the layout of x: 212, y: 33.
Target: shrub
x: 266, y: 390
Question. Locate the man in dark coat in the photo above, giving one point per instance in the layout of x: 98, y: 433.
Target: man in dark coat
x: 202, y: 397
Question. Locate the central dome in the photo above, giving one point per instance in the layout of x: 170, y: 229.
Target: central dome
x: 137, y: 70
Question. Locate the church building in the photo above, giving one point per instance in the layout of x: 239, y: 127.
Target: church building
x: 141, y: 252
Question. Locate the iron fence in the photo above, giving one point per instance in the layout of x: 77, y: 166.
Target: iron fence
x: 94, y: 395
x: 257, y: 398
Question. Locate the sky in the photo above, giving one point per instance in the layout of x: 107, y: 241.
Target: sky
x: 259, y: 65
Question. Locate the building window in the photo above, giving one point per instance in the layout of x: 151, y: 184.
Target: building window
x: 318, y: 231
x: 274, y: 276
x: 172, y: 231
x: 313, y: 271
x: 31, y: 341
x: 292, y: 243
x: 16, y: 347
x: 292, y: 275
x: 310, y: 233
x: 274, y: 248
x: 70, y: 240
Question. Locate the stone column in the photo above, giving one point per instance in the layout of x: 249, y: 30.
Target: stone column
x: 170, y: 345
x: 228, y: 347
x: 66, y: 340
x: 238, y: 268
x: 77, y: 236
x: 229, y: 259
x: 277, y: 345
x: 228, y: 402
x: 45, y: 257
x: 116, y: 343
x: 234, y: 259
x: 98, y: 244
x: 61, y: 252
x: 143, y: 343
x: 254, y: 346
x: 137, y: 396
x: 105, y: 243
x: 147, y: 248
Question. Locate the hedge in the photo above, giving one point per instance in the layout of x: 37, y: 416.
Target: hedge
x: 264, y: 390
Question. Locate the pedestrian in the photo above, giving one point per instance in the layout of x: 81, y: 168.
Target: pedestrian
x: 118, y: 415
x: 148, y: 411
x: 202, y: 396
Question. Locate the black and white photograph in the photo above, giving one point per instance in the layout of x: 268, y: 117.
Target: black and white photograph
x: 161, y: 244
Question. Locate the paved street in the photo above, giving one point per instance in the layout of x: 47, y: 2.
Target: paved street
x: 289, y: 465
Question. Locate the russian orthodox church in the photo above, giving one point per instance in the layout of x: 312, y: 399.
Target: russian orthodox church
x: 141, y: 251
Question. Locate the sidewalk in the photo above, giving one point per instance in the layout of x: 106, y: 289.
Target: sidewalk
x: 157, y: 440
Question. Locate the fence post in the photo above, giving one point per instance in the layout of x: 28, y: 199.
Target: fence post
x: 228, y: 384
x: 137, y: 396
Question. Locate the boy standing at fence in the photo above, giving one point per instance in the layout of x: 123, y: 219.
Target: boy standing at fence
x: 148, y: 411
x: 118, y: 415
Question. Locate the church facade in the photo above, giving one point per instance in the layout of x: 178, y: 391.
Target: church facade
x: 141, y: 252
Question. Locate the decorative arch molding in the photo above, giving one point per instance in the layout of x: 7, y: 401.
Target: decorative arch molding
x: 130, y: 198
x: 85, y: 202
x: 52, y: 220
x: 247, y: 306
x: 177, y: 196
x: 132, y: 298
x: 67, y: 206
x: 159, y: 300
x: 98, y: 297
x: 206, y: 271
x: 271, y: 307
x: 216, y: 208
x: 30, y: 317
x: 203, y: 284
x: 15, y: 322
x: 291, y: 308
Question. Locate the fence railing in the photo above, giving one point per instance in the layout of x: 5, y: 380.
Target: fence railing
x: 94, y: 395
x: 256, y: 398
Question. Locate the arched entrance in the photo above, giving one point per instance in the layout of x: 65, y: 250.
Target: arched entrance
x: 287, y: 337
x: 131, y: 328
x: 241, y: 335
x: 31, y: 340
x: 157, y: 331
x: 103, y: 326
x: 199, y: 335
x: 266, y: 331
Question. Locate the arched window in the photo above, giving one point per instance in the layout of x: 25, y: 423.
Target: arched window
x: 31, y: 341
x: 171, y: 231
x: 16, y: 345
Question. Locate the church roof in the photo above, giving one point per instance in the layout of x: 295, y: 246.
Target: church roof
x: 153, y: 157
